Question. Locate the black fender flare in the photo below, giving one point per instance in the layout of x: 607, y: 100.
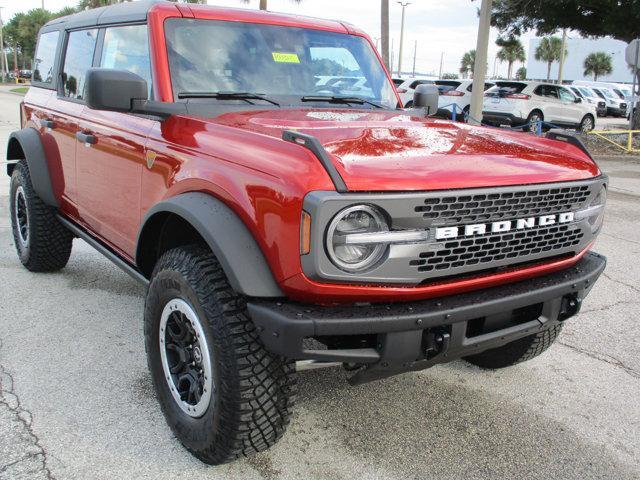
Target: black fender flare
x: 28, y: 142
x: 227, y: 236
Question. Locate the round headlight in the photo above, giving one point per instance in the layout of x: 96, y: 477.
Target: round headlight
x: 347, y: 249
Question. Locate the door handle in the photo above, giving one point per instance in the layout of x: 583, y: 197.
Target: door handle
x: 86, y: 138
x: 46, y: 123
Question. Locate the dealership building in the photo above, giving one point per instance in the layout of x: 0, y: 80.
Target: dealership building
x: 578, y: 49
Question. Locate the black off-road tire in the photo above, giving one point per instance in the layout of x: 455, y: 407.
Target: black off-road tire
x: 517, y: 351
x: 253, y: 390
x: 46, y: 245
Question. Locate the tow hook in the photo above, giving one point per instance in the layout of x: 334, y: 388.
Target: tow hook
x: 436, y: 343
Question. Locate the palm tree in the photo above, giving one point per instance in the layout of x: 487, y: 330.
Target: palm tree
x: 511, y: 51
x: 521, y: 73
x: 550, y: 50
x: 597, y: 64
x: 467, y: 62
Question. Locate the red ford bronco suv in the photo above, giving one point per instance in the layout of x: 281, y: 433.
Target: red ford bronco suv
x: 281, y: 212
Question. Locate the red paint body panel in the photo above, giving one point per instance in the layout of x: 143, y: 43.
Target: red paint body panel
x: 241, y: 159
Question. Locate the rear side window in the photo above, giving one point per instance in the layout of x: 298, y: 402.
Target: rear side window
x: 127, y: 48
x: 45, y: 57
x: 78, y: 59
x: 548, y: 91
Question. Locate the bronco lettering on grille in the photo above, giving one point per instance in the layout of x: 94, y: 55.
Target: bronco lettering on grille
x: 444, y: 233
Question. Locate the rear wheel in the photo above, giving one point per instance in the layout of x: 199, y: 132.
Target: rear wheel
x: 587, y: 124
x: 532, y: 121
x: 223, y: 395
x: 517, y: 351
x: 43, y: 244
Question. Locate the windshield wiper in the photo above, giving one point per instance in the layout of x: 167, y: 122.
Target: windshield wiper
x: 247, y: 96
x: 336, y: 99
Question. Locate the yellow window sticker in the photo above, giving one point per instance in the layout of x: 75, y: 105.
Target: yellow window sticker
x: 285, y: 57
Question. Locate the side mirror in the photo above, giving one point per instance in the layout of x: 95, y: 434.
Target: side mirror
x: 426, y: 96
x: 578, y: 100
x: 114, y: 90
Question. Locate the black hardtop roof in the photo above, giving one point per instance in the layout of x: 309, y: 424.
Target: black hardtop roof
x: 126, y: 12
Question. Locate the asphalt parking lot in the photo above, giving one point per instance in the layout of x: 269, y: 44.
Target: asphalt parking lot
x: 76, y: 400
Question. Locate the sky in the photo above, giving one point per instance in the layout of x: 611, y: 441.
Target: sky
x: 438, y: 26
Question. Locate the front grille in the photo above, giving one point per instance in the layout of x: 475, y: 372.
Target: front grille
x: 436, y: 259
x: 493, y: 249
x: 623, y: 105
x: 491, y: 207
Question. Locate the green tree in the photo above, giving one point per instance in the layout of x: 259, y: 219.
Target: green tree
x: 549, y: 50
x: 619, y: 19
x: 467, y: 63
x: 521, y: 73
x: 598, y: 64
x: 511, y: 51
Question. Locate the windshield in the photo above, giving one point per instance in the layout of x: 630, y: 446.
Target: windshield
x: 586, y: 92
x: 285, y: 63
x: 608, y: 93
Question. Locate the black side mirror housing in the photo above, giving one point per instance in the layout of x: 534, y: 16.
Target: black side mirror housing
x: 578, y: 100
x: 426, y: 97
x: 114, y: 90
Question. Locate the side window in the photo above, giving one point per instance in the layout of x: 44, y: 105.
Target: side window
x: 45, y: 57
x: 78, y: 59
x: 127, y: 48
x: 548, y: 91
x: 566, y: 95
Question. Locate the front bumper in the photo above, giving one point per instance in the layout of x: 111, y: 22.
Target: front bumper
x: 416, y: 335
x: 617, y: 112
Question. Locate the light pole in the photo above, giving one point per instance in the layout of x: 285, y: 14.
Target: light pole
x: 441, y: 62
x: 404, y: 5
x: 562, y: 52
x: 415, y: 52
x: 480, y: 65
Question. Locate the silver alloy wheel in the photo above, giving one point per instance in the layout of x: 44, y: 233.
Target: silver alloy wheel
x: 186, y: 362
x: 587, y: 124
x: 21, y: 216
x: 534, y: 118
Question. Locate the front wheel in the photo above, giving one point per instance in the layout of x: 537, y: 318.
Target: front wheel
x: 223, y: 395
x: 587, y: 124
x: 517, y: 351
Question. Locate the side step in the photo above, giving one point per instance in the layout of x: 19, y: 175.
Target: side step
x: 104, y: 250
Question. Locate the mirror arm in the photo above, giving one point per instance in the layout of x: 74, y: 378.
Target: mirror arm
x: 163, y: 110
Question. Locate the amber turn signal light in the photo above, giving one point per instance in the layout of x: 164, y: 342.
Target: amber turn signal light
x: 305, y: 233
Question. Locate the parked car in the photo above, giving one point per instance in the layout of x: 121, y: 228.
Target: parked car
x: 407, y: 88
x: 590, y: 97
x: 524, y: 103
x: 616, y: 107
x: 274, y: 226
x: 458, y: 93
x: 26, y: 74
x: 397, y: 81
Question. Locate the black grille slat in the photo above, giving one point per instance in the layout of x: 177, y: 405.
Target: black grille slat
x: 495, y: 247
x: 464, y: 208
